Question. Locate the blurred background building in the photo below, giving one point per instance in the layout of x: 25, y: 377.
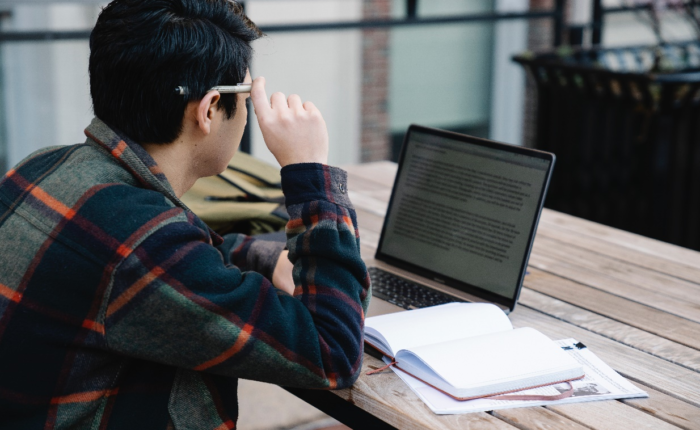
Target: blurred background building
x: 369, y: 83
x: 370, y: 80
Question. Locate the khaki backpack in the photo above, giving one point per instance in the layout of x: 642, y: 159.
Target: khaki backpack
x: 246, y: 198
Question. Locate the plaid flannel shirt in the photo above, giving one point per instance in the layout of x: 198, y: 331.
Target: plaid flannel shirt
x: 118, y: 311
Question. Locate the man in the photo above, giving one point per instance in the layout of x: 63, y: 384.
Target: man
x: 119, y: 308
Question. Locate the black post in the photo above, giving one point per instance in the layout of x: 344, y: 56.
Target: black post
x: 576, y: 33
x: 245, y: 140
x: 411, y: 8
x: 559, y: 11
x: 597, y: 24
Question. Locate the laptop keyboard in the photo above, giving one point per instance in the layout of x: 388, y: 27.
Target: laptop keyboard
x: 404, y: 293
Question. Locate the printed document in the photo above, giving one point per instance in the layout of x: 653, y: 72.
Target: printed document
x: 600, y: 383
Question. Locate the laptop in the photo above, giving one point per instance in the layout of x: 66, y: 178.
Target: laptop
x: 460, y: 223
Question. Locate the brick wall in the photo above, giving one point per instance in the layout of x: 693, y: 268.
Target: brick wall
x: 539, y: 38
x: 375, y: 144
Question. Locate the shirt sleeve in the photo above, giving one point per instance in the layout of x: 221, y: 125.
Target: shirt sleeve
x: 174, y: 301
x: 251, y: 254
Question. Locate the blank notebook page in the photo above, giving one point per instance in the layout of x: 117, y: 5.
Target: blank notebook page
x: 495, y: 358
x: 437, y: 324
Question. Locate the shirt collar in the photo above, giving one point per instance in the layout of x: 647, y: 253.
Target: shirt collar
x: 136, y: 160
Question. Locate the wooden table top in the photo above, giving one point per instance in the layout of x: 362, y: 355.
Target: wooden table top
x: 634, y: 301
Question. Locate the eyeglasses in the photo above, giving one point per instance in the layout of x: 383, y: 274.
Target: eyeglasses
x: 223, y: 89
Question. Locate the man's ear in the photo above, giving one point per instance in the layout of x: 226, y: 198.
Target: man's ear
x: 206, y: 109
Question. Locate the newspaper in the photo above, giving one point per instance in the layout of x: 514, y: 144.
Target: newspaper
x: 600, y: 383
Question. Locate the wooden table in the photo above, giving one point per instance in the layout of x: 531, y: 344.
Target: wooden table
x: 634, y: 301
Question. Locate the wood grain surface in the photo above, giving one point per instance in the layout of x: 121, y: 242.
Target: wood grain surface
x: 634, y: 301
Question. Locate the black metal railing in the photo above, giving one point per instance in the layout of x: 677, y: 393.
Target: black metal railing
x: 557, y: 14
x: 626, y: 136
x: 411, y: 20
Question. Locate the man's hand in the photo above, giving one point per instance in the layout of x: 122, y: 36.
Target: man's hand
x: 293, y: 132
x: 282, y: 275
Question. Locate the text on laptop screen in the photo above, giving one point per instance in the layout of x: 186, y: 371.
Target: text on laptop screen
x: 465, y: 211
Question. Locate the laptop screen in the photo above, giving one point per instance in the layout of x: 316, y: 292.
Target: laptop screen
x: 465, y: 209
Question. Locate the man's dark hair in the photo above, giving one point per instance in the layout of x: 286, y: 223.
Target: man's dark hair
x: 141, y: 50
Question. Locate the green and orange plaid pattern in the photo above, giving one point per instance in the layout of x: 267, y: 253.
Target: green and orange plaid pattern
x: 120, y: 309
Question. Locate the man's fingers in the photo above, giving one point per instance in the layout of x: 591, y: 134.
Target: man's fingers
x: 293, y: 132
x: 259, y: 97
x: 310, y: 107
x: 278, y: 101
x: 294, y: 102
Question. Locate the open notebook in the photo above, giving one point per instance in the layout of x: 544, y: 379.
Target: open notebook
x: 469, y: 350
